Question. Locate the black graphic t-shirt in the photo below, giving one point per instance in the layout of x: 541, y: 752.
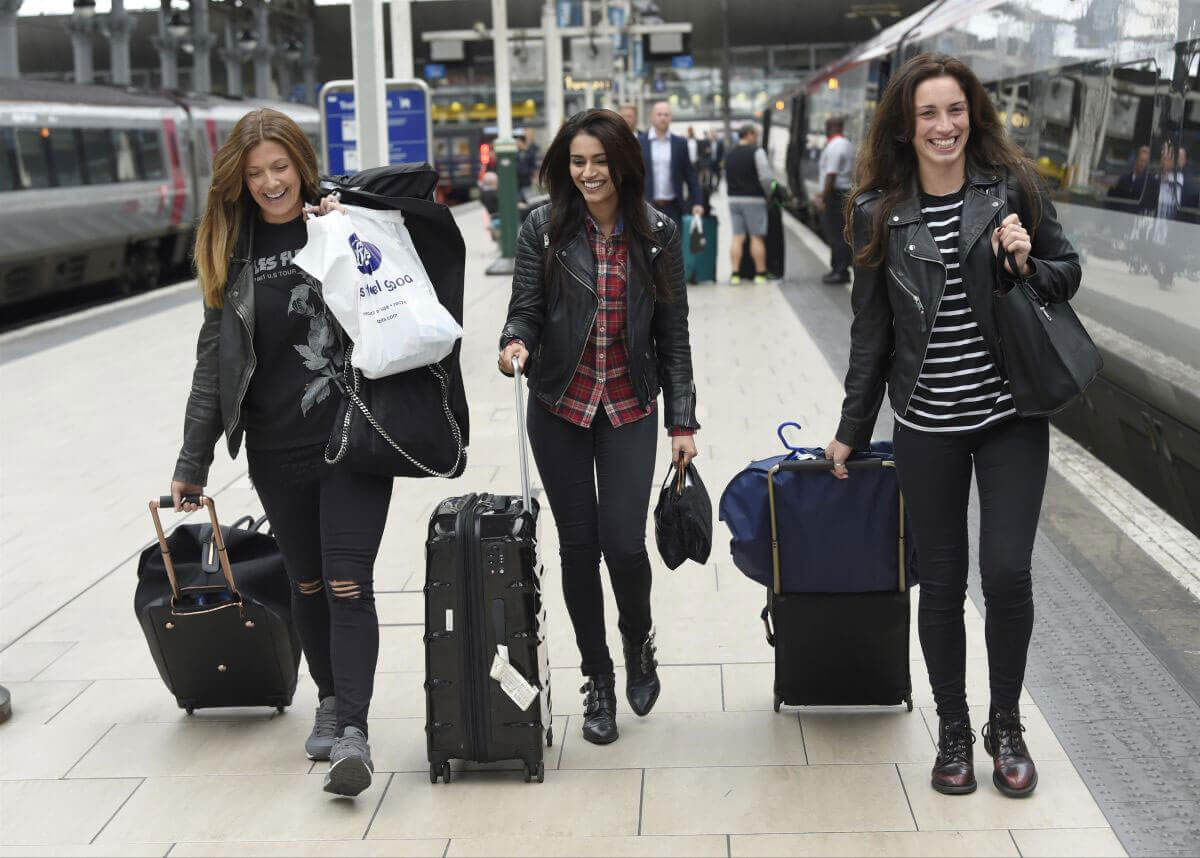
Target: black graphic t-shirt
x: 291, y: 399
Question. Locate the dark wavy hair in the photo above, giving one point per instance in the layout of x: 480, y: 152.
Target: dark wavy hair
x: 887, y: 162
x: 627, y: 172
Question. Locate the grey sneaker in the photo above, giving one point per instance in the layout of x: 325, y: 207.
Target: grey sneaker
x: 350, y: 764
x: 324, y: 731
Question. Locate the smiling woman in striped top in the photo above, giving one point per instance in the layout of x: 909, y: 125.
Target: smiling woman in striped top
x: 946, y: 213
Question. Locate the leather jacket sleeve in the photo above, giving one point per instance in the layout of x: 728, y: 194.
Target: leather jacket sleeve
x: 871, y: 343
x: 673, y: 344
x: 202, y: 420
x: 527, y: 305
x: 1056, y: 271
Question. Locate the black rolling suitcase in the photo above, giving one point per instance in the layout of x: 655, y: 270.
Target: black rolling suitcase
x: 218, y: 638
x: 487, y: 676
x: 775, y: 247
x: 839, y: 649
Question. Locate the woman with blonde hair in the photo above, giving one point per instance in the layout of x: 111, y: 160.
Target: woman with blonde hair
x: 266, y: 360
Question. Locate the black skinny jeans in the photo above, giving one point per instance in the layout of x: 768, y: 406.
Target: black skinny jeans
x: 1010, y: 462
x: 328, y: 522
x: 573, y: 462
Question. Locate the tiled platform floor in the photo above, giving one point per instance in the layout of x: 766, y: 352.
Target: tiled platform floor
x: 97, y: 760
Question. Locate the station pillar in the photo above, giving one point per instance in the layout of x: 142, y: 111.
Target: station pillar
x: 168, y: 62
x: 233, y: 58
x: 370, y: 94
x: 505, y: 146
x: 119, y: 27
x: 554, y: 69
x: 81, y: 28
x: 10, y: 66
x: 263, y: 51
x: 402, y: 49
x: 202, y: 48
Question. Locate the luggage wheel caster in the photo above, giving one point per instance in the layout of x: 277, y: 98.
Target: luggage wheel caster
x: 190, y: 710
x: 549, y: 737
x: 908, y: 701
x: 280, y: 709
x: 536, y: 773
x: 446, y: 772
x: 778, y: 702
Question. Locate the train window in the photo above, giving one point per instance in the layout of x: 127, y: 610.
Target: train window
x: 64, y: 155
x: 99, y: 156
x: 126, y: 166
x: 32, y: 163
x: 150, y: 154
x: 1124, y: 160
x: 8, y: 173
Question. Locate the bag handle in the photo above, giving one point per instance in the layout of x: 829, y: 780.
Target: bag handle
x: 167, y: 502
x: 352, y: 395
x: 522, y: 436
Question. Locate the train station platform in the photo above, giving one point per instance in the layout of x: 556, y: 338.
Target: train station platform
x: 97, y: 759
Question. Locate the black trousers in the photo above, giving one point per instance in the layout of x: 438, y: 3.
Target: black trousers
x: 834, y: 222
x: 598, y: 481
x: 328, y: 522
x: 1009, y: 461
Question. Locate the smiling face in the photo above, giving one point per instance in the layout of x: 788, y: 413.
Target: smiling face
x: 589, y: 170
x: 942, y: 123
x: 274, y: 182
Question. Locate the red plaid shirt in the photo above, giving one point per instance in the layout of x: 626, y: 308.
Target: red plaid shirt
x: 602, y: 376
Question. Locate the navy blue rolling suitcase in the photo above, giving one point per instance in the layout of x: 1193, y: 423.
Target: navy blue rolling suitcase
x: 487, y: 673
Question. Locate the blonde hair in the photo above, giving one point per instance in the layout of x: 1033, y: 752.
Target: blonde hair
x: 229, y: 199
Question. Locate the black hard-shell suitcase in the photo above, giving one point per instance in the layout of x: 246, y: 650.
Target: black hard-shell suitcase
x: 483, y: 607
x: 216, y: 643
x: 775, y: 247
x: 839, y: 649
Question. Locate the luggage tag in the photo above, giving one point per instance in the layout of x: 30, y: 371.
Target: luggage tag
x: 511, y: 681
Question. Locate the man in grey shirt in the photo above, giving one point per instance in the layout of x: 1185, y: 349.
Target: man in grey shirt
x: 835, y: 170
x: 748, y: 178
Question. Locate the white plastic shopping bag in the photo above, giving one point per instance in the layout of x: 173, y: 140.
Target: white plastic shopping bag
x: 373, y: 282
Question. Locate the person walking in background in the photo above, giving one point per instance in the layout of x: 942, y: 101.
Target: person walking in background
x: 528, y: 158
x: 940, y: 189
x: 834, y: 169
x: 748, y: 179
x: 668, y: 168
x: 693, y: 146
x: 629, y: 114
x: 718, y: 160
x: 599, y: 302
x: 267, y: 356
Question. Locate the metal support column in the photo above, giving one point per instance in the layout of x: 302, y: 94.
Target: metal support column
x: 10, y: 65
x: 119, y: 27
x: 370, y: 91
x: 506, y: 147
x: 309, y: 61
x: 81, y: 27
x: 167, y: 46
x: 726, y: 115
x: 233, y: 58
x: 554, y: 70
x: 202, y: 43
x: 263, y: 51
x: 402, y: 47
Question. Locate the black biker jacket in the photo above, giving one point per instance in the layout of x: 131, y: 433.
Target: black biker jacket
x: 895, y: 304
x: 555, y: 318
x: 225, y: 362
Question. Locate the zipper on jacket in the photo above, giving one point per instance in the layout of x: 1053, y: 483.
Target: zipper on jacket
x: 911, y: 294
x: 253, y: 364
x: 582, y: 348
x: 929, y: 336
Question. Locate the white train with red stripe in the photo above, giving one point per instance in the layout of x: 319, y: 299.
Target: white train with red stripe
x: 100, y: 184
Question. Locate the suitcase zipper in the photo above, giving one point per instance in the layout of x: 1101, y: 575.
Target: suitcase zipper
x: 477, y: 702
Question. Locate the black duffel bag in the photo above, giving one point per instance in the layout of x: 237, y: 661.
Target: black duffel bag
x: 415, y: 423
x: 215, y: 605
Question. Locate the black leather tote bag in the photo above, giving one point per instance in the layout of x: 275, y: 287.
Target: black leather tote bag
x: 683, y: 518
x: 1048, y: 356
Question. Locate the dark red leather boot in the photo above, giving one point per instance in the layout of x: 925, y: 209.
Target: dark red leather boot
x: 1013, y: 771
x: 954, y: 768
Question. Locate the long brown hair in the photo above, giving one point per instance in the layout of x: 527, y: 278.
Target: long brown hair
x: 888, y: 163
x: 229, y: 200
x: 625, y: 169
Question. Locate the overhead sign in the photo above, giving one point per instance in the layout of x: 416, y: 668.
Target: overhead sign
x: 591, y: 59
x: 683, y: 61
x: 527, y: 61
x: 410, y: 125
x: 434, y: 71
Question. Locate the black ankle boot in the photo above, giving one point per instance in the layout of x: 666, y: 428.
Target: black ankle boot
x: 1013, y: 771
x: 600, y: 709
x: 641, y: 674
x: 954, y: 768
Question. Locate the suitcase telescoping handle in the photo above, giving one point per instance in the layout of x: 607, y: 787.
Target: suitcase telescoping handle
x: 824, y: 465
x: 167, y: 502
x: 522, y: 436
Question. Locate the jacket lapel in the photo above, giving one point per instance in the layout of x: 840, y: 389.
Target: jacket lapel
x: 918, y: 240
x: 980, y: 207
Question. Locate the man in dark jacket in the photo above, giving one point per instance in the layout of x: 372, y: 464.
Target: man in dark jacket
x: 1132, y: 185
x: 668, y: 168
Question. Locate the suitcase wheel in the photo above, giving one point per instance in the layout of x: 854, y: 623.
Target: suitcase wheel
x: 549, y: 737
x: 443, y: 771
x: 433, y: 773
x: 908, y: 701
x: 280, y: 709
x: 536, y: 773
x: 779, y: 702
x: 190, y: 710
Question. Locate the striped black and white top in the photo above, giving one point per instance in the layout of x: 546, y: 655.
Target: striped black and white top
x: 959, y: 388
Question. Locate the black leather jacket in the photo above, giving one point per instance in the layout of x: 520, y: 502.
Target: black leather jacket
x: 555, y: 318
x: 895, y: 304
x: 224, y: 364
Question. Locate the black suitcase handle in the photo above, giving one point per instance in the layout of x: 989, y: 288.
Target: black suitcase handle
x: 167, y: 502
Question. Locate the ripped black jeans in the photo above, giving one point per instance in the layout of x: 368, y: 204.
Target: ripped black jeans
x: 328, y: 522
